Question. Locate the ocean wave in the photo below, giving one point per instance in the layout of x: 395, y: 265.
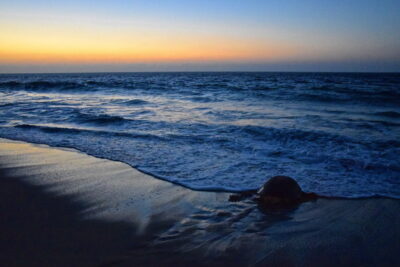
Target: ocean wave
x: 350, y: 92
x: 68, y: 85
x: 219, y: 135
x: 284, y: 135
x: 71, y: 130
x: 202, y: 99
x: 99, y: 118
x: 322, y: 97
x: 135, y: 102
x: 42, y: 85
x: 390, y: 114
x: 49, y: 129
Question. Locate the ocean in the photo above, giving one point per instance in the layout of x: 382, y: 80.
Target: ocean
x: 337, y: 134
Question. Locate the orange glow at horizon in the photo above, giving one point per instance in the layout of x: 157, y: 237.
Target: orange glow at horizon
x: 80, y: 46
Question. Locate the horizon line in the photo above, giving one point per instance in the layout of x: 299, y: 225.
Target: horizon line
x: 205, y: 71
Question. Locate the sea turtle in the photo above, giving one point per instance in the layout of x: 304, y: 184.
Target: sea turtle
x: 278, y: 191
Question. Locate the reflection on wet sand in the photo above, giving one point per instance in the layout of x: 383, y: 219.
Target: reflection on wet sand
x: 152, y: 222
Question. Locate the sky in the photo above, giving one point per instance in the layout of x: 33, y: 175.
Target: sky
x: 219, y: 35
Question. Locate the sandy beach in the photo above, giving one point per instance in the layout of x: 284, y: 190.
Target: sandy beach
x: 61, y: 207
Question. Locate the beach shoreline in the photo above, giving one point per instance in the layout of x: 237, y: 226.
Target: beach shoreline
x: 62, y: 207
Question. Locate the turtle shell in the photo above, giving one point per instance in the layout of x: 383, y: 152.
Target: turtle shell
x: 282, y: 187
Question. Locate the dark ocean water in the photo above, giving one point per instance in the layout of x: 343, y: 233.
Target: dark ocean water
x: 337, y: 134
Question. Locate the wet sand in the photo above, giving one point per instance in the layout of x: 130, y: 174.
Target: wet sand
x: 60, y: 207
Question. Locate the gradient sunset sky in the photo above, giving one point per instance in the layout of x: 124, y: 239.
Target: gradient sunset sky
x: 173, y: 35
